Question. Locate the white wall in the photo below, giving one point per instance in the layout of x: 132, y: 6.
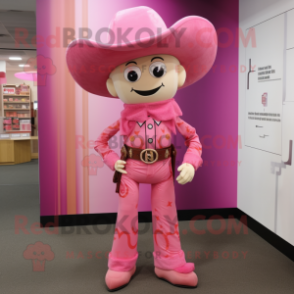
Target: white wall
x: 264, y: 192
x: 2, y: 66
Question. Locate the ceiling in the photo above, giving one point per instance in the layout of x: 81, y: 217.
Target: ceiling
x: 23, y: 5
x: 17, y: 14
x: 13, y: 65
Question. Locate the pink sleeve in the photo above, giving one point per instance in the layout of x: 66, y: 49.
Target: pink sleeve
x: 102, y: 147
x: 194, y: 151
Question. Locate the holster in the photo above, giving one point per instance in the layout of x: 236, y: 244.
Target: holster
x: 124, y: 156
x: 117, y: 175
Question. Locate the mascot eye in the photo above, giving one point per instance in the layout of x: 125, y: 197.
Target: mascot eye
x: 132, y: 74
x: 157, y: 69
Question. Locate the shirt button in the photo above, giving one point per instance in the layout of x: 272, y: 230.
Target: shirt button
x: 150, y: 126
x: 150, y: 140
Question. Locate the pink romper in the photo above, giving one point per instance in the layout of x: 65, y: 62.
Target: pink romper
x: 153, y: 134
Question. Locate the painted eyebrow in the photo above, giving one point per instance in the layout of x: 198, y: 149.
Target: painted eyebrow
x: 131, y: 62
x: 156, y: 57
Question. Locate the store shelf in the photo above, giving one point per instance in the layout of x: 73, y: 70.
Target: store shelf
x: 18, y: 117
x: 12, y: 102
x: 16, y: 109
x: 14, y: 95
x: 19, y: 131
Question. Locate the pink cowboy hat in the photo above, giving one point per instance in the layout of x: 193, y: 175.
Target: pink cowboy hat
x: 138, y: 32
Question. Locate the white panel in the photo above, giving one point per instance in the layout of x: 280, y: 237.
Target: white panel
x: 287, y: 129
x: 285, y: 204
x: 285, y: 181
x: 257, y: 187
x: 263, y: 117
x: 290, y: 74
x: 290, y: 29
x: 266, y: 196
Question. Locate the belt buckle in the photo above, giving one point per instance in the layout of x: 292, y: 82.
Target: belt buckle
x: 149, y: 156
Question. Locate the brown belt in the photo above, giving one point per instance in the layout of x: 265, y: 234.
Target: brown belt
x: 148, y: 156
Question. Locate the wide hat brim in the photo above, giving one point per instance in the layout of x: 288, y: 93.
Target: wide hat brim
x: 90, y: 63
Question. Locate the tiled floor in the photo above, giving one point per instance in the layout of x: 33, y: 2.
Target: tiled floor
x: 77, y: 256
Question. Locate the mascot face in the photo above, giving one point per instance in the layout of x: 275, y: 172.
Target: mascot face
x: 147, y: 79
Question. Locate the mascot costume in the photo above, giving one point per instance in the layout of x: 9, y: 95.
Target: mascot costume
x: 144, y: 64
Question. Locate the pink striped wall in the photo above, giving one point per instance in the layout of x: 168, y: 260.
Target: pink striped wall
x: 70, y: 119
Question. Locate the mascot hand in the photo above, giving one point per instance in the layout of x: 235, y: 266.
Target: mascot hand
x: 186, y: 175
x: 119, y: 166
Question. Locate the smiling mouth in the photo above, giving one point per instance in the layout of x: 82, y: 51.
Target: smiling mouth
x: 148, y: 92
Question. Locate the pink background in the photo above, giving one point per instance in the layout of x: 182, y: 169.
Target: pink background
x: 211, y: 106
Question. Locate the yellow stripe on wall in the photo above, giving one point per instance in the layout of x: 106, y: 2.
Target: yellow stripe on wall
x: 69, y: 17
x: 85, y: 122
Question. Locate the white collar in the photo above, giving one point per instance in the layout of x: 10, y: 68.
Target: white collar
x: 142, y: 123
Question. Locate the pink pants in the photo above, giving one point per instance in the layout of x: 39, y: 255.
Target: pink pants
x: 167, y: 247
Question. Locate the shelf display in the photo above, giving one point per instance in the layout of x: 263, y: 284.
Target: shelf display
x: 8, y: 90
x: 16, y: 107
x: 25, y: 125
x: 7, y: 124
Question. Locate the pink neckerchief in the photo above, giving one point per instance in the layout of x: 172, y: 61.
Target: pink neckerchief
x: 165, y: 111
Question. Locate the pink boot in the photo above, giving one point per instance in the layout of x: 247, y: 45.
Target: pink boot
x: 116, y: 280
x: 180, y: 277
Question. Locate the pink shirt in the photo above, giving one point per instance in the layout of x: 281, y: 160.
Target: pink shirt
x: 151, y: 134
